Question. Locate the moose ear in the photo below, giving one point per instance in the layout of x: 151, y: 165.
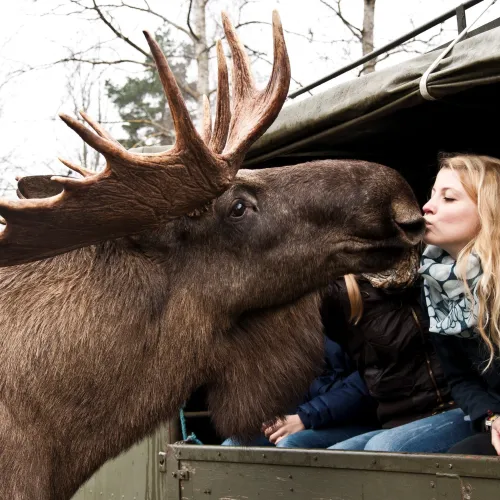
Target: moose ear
x: 37, y: 186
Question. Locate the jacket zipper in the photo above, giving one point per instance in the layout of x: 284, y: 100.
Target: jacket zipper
x: 427, y: 359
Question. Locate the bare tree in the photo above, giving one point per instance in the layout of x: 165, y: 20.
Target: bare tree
x: 199, y: 37
x: 362, y: 35
x: 365, y: 35
x: 194, y: 29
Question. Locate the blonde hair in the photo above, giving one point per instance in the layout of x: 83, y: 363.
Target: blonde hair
x: 355, y: 298
x: 480, y: 177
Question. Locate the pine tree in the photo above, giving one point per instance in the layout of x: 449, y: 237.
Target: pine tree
x: 141, y: 101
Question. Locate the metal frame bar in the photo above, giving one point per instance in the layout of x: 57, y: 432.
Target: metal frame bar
x: 412, y: 34
x: 461, y: 18
x: 420, y: 463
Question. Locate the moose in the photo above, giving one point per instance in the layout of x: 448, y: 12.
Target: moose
x: 123, y: 291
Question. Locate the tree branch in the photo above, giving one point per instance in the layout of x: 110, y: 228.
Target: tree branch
x: 148, y: 122
x: 163, y: 18
x: 260, y: 55
x: 338, y: 12
x: 246, y: 23
x: 193, y: 34
x: 96, y: 62
x: 429, y: 41
x: 188, y: 90
x: 118, y: 33
x: 407, y: 48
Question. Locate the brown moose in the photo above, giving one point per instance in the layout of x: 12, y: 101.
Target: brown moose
x: 128, y: 289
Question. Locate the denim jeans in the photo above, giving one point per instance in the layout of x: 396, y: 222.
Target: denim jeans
x: 309, y: 438
x: 434, y: 434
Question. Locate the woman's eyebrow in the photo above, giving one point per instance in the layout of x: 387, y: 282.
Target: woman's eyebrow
x: 446, y: 188
x: 449, y: 188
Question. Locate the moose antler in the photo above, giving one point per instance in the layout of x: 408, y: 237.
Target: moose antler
x: 140, y: 191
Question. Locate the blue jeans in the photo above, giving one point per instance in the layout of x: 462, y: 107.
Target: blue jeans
x: 434, y: 434
x: 309, y: 438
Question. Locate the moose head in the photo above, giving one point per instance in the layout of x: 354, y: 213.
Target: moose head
x: 127, y: 289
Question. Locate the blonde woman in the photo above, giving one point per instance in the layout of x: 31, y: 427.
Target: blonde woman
x: 461, y: 269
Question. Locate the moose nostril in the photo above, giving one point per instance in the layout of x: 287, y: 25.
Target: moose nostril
x: 413, y: 230
x: 407, y: 217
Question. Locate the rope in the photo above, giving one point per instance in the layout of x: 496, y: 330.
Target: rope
x: 424, y: 91
x: 191, y: 439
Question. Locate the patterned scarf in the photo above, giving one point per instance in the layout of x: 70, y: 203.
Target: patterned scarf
x: 451, y: 311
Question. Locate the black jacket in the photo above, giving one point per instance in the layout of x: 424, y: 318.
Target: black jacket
x: 392, y: 350
x: 463, y: 361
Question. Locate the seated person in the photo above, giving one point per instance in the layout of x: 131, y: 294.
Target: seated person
x: 379, y: 321
x: 336, y: 407
x: 461, y: 269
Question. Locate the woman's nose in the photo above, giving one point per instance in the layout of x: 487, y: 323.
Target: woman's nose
x: 428, y: 208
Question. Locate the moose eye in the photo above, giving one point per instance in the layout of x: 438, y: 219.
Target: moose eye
x: 238, y: 209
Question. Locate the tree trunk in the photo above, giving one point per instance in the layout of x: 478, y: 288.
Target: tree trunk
x: 201, y: 52
x: 368, y: 29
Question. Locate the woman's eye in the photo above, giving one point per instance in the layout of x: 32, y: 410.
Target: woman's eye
x: 238, y: 209
x: 448, y: 199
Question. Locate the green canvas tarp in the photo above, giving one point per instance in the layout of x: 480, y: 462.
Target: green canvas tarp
x: 366, y: 104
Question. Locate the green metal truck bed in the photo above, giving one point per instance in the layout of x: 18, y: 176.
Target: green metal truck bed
x: 223, y: 473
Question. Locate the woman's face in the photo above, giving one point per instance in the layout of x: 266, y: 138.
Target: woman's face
x: 451, y: 216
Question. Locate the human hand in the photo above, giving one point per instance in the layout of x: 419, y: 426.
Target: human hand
x: 495, y: 435
x: 269, y: 428
x: 284, y: 427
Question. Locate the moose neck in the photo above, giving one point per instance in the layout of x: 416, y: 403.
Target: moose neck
x: 100, y: 345
x: 93, y: 352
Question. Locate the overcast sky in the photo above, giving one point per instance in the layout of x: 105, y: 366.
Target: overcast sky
x: 33, y: 35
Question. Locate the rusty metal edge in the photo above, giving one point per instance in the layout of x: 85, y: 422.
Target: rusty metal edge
x: 440, y: 464
x: 173, y: 486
